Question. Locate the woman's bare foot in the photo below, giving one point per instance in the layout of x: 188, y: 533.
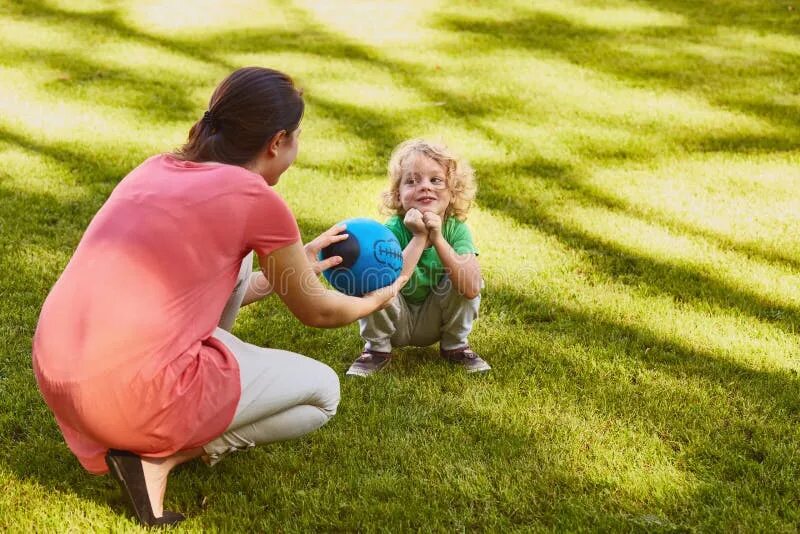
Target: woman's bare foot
x: 156, y: 471
x: 146, y: 493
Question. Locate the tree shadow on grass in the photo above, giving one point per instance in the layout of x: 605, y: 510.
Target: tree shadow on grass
x: 560, y: 34
x: 84, y: 166
x: 777, y: 390
x: 720, y: 426
x: 672, y: 67
x: 549, y: 33
x: 509, y: 188
x: 166, y: 100
x: 724, y: 422
x: 110, y: 22
x: 761, y: 17
x: 364, y: 124
x: 523, y: 190
x: 154, y: 100
x: 518, y: 199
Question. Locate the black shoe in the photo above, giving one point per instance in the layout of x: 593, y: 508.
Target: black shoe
x: 126, y: 467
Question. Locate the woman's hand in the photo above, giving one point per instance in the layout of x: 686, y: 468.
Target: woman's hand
x: 414, y: 222
x: 287, y: 269
x: 383, y: 296
x: 331, y: 235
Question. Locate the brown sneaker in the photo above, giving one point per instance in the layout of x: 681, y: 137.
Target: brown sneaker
x: 369, y: 362
x: 466, y: 357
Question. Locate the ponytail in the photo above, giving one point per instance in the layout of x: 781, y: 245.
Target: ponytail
x: 245, y: 111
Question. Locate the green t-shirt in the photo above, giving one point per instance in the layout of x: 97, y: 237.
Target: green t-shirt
x: 429, y: 270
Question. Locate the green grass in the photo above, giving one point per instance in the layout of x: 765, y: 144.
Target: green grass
x: 639, y: 169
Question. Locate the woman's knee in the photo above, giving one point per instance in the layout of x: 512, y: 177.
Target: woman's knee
x: 329, y: 392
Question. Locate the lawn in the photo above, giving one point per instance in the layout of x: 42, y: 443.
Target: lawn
x: 638, y: 166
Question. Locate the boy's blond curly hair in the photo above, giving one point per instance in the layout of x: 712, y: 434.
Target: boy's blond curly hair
x: 460, y: 177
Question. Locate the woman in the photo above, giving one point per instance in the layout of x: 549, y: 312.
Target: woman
x: 128, y: 353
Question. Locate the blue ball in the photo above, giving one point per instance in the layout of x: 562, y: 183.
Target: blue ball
x: 371, y: 258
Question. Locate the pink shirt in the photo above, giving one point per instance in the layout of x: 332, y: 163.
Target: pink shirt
x: 123, y: 351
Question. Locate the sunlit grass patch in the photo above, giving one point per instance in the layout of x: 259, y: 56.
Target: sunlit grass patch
x: 31, y: 172
x: 34, y: 109
x: 173, y: 18
x: 380, y: 24
x: 739, y: 200
x: 47, y: 510
x: 612, y: 16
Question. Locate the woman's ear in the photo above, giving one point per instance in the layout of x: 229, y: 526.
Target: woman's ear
x: 275, y: 142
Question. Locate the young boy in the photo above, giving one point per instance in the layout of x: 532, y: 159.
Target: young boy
x: 430, y: 193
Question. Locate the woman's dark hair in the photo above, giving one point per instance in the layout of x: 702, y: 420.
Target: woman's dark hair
x: 245, y: 111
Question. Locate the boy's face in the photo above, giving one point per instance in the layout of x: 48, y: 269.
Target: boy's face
x: 423, y: 185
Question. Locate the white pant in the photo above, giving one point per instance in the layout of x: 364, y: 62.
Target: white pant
x: 284, y: 395
x: 446, y: 316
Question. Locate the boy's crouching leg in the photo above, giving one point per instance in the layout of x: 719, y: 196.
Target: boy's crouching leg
x: 378, y: 328
x: 458, y: 315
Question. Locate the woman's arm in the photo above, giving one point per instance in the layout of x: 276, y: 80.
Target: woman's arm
x: 258, y: 287
x: 293, y: 279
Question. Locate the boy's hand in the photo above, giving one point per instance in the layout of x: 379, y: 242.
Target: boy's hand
x: 414, y: 222
x: 433, y: 223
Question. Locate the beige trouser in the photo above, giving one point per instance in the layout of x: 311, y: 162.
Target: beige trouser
x: 284, y: 395
x: 446, y: 316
